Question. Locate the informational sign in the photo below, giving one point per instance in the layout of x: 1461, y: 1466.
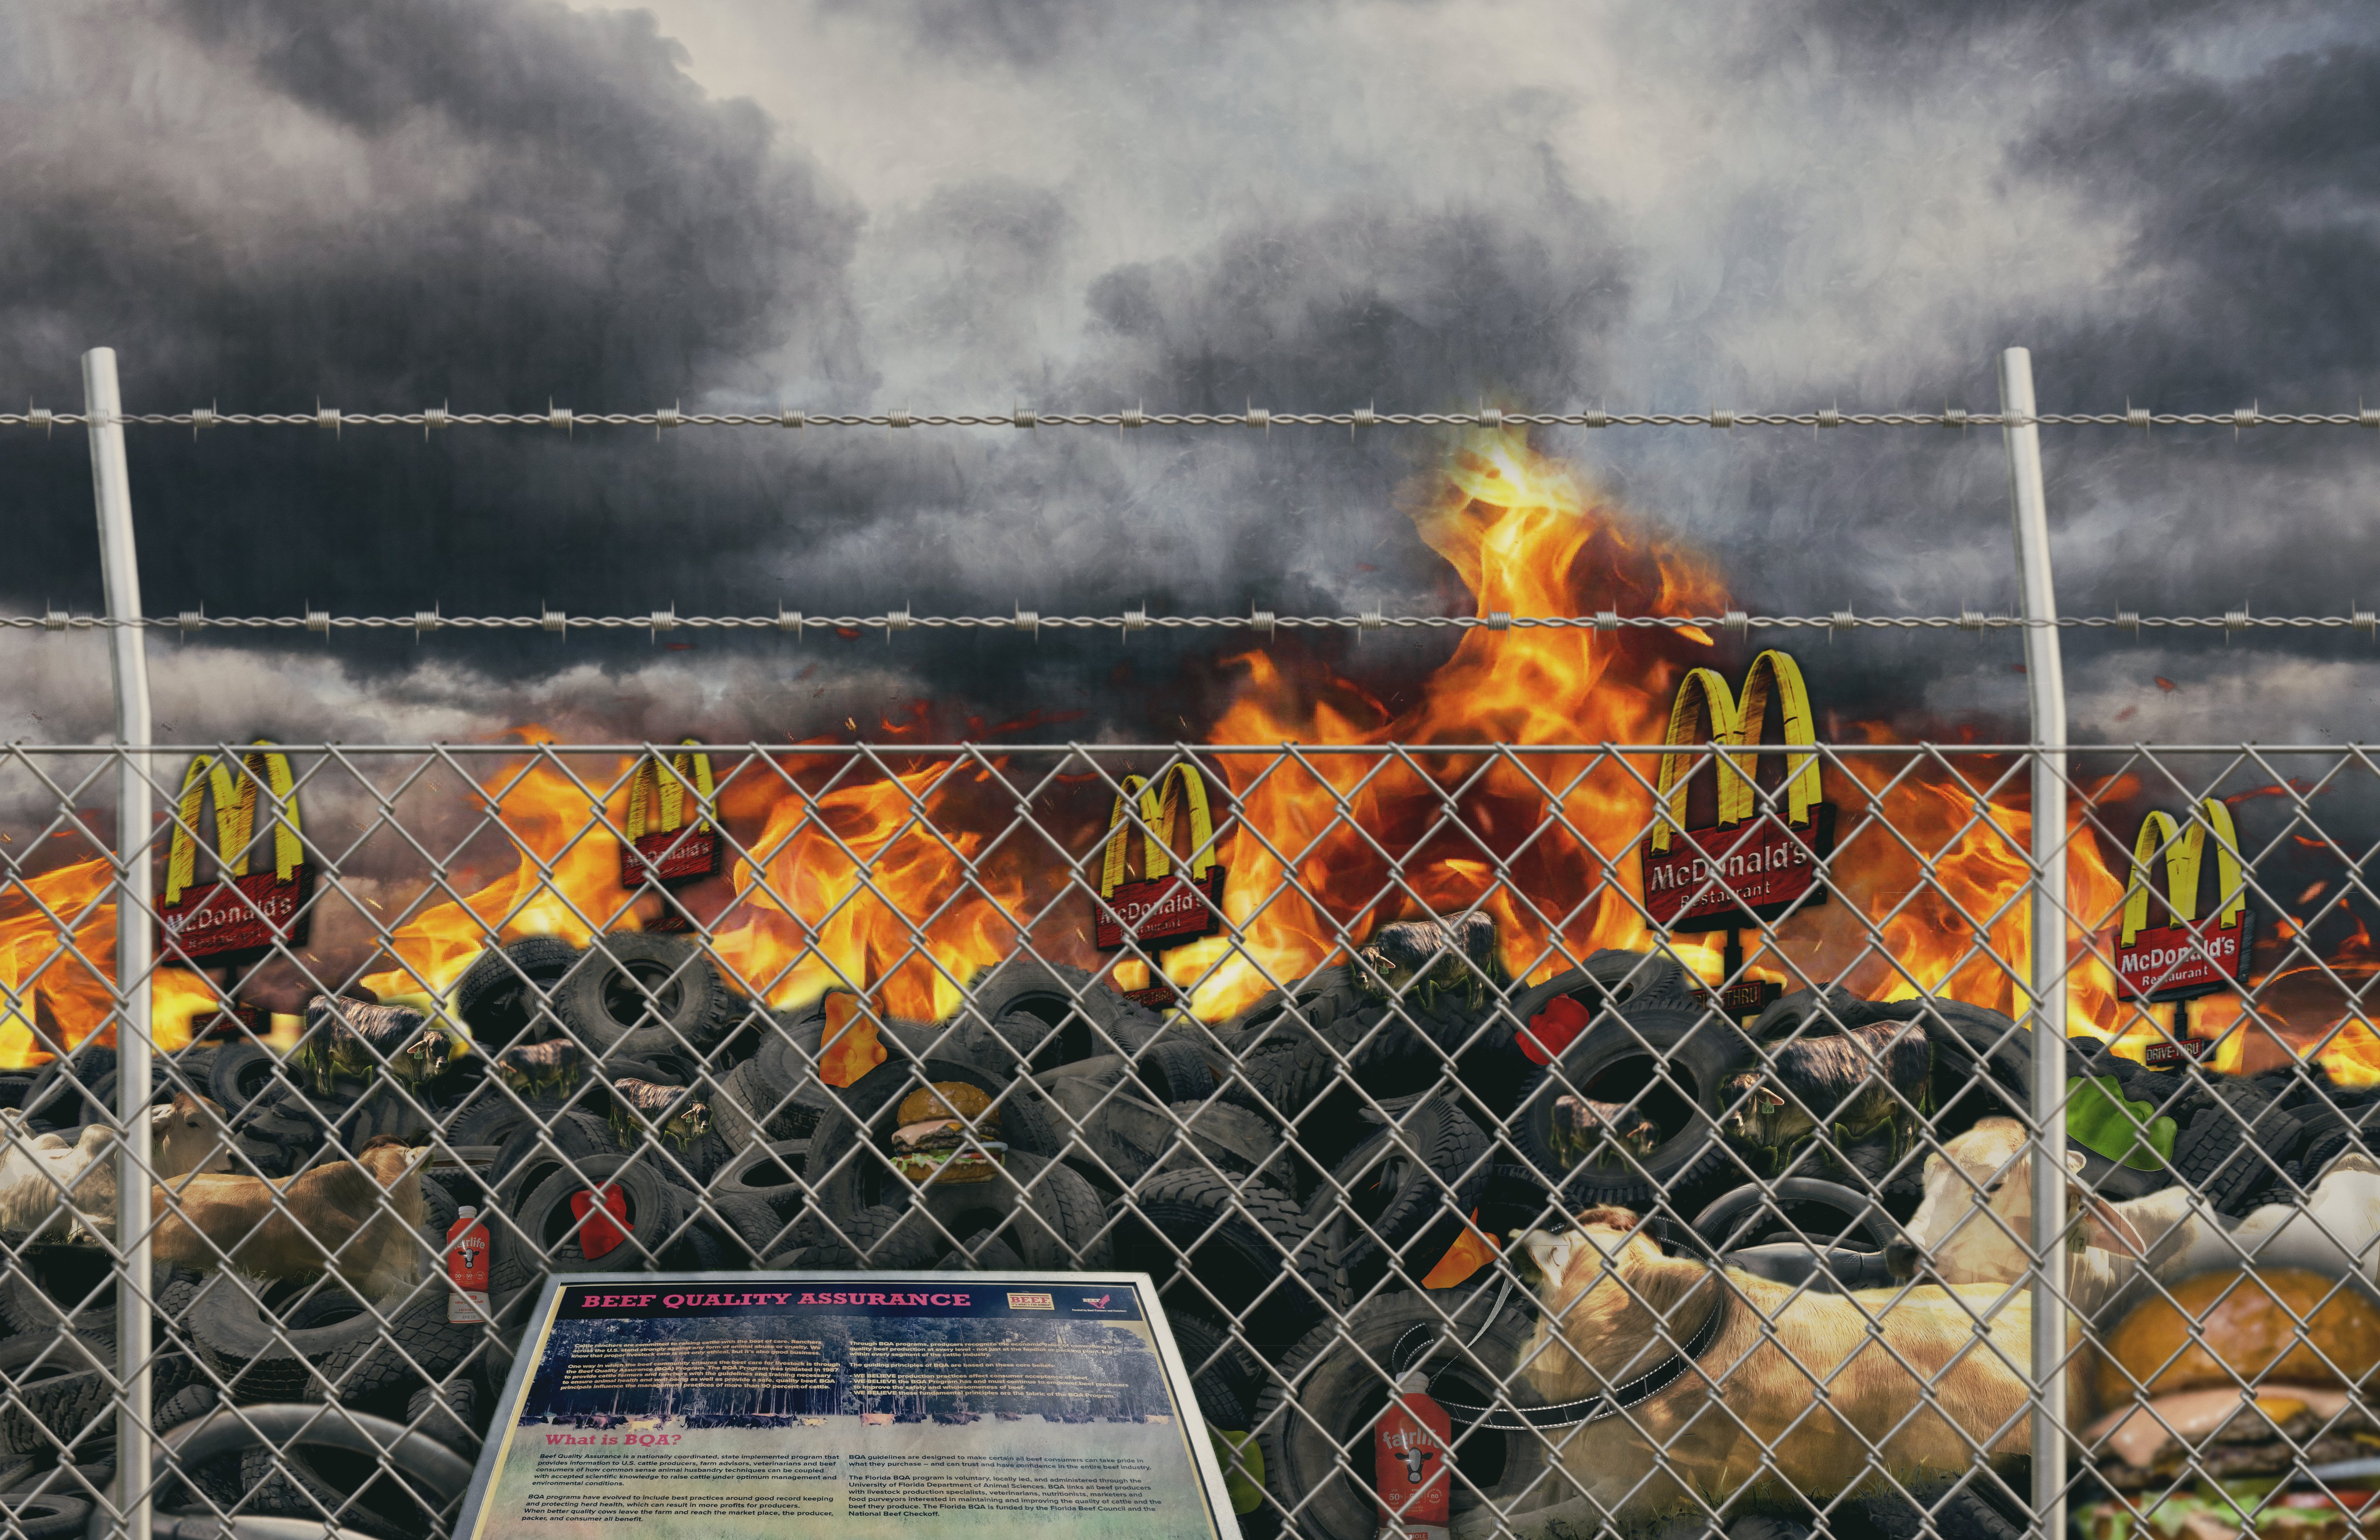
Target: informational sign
x: 876, y: 1406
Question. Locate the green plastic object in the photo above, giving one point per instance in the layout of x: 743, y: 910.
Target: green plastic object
x: 1243, y: 1464
x: 2101, y: 1121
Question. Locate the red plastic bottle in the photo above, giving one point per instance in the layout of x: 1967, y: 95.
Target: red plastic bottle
x: 1410, y: 1455
x: 466, y: 1268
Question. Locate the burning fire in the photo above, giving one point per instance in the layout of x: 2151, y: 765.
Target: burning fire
x: 901, y: 885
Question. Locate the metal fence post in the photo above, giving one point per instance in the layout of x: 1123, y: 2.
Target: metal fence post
x: 129, y: 658
x: 2046, y: 685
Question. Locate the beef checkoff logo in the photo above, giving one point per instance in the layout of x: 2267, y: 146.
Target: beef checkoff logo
x: 240, y: 915
x: 1031, y: 1302
x: 2189, y: 955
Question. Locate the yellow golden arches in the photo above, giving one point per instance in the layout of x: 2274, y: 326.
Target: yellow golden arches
x: 1705, y: 692
x: 2184, y: 856
x: 234, y: 817
x: 1158, y: 802
x: 661, y: 786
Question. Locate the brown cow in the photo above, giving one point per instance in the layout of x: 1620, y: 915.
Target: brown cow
x: 359, y: 1219
x: 1616, y: 1308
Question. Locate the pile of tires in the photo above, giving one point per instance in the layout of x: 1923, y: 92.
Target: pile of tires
x: 1309, y: 1184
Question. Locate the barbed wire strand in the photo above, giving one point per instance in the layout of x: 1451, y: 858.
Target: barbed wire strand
x: 1265, y: 622
x: 336, y: 419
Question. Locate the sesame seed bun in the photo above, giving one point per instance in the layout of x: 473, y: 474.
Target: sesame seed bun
x: 2252, y: 1333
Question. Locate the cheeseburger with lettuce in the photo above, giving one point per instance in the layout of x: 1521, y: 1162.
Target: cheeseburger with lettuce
x: 949, y: 1134
x: 2212, y: 1438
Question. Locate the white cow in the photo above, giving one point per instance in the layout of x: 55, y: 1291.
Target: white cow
x: 42, y: 1175
x: 1975, y: 1221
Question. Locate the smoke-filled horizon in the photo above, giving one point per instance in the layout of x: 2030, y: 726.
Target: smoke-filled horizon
x: 717, y: 204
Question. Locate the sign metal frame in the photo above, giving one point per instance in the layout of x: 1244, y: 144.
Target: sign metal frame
x: 504, y: 1427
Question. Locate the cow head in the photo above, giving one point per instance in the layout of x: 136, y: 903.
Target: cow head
x: 1975, y: 1224
x: 1760, y: 1114
x: 188, y: 1134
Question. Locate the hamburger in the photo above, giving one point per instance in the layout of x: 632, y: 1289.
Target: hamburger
x: 2215, y: 1398
x: 947, y: 1134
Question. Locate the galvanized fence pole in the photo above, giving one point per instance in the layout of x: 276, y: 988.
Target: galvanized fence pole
x: 2046, y: 685
x: 129, y: 658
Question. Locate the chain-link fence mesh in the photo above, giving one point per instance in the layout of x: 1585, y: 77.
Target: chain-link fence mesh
x: 1666, y: 1110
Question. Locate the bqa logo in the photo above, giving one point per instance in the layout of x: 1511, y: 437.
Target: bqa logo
x: 1726, y: 875
x: 2186, y: 956
x: 1031, y: 1302
x: 237, y: 917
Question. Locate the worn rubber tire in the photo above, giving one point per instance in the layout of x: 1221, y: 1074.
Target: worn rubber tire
x: 1247, y: 1250
x: 51, y: 1515
x: 1059, y: 1225
x: 1227, y: 1381
x: 1079, y: 1016
x: 61, y: 1400
x: 631, y: 980
x: 506, y: 994
x: 1655, y: 1043
x: 847, y: 1166
x: 1409, y: 1189
x: 878, y: 1239
x: 1174, y: 1070
x: 297, y: 1484
x: 1330, y: 1389
x: 768, y: 1175
x: 492, y: 1117
x: 780, y: 1081
x: 329, y: 1345
x: 244, y: 1078
x: 1390, y: 1046
x: 25, y: 1306
x: 533, y: 1152
x: 541, y: 1218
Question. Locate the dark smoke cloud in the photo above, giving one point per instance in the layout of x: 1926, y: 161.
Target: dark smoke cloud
x: 1067, y: 206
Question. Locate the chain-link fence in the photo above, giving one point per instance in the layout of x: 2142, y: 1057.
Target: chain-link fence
x: 1667, y: 1112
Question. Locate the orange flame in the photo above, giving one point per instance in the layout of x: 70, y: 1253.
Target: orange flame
x: 898, y: 887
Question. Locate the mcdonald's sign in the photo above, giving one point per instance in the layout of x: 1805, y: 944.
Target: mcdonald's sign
x: 661, y: 847
x: 1741, y: 867
x: 1164, y: 907
x: 2186, y: 956
x: 240, y: 917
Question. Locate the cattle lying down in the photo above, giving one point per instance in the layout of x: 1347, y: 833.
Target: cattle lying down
x: 1859, y: 1082
x: 44, y: 1179
x: 1975, y: 1221
x: 1772, y: 1348
x: 359, y: 1219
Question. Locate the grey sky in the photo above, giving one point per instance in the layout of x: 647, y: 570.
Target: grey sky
x: 971, y: 205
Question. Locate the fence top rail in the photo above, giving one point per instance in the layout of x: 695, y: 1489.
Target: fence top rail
x: 2353, y: 749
